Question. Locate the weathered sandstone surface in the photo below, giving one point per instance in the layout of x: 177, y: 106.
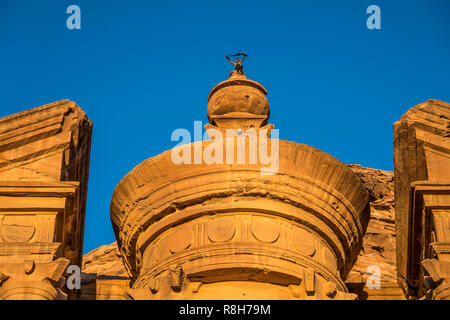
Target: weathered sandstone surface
x: 105, y: 260
x: 44, y: 168
x: 378, y: 243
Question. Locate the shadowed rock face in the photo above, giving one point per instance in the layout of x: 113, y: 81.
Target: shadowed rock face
x: 378, y: 242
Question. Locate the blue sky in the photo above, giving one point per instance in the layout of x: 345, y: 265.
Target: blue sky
x: 141, y: 69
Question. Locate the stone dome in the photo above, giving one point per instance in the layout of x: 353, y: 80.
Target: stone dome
x: 238, y: 95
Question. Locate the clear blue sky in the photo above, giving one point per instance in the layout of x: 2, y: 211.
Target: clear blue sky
x: 141, y: 69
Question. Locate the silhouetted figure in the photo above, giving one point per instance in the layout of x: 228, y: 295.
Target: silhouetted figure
x: 238, y: 64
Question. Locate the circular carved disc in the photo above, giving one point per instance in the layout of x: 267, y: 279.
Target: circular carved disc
x: 304, y: 241
x: 17, y: 229
x: 180, y: 240
x: 265, y: 230
x: 221, y: 229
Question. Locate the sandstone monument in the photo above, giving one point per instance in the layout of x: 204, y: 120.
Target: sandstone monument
x: 189, y: 231
x: 307, y: 228
x: 44, y: 166
x: 422, y: 192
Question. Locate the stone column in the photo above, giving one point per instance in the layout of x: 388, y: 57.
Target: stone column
x: 30, y: 280
x: 437, y: 266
